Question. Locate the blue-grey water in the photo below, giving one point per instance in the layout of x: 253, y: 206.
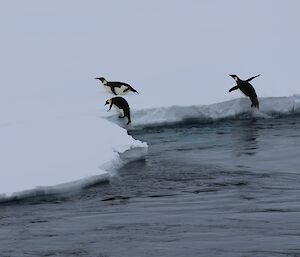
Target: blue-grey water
x: 227, y: 188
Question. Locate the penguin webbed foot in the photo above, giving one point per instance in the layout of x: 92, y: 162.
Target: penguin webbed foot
x: 255, y: 105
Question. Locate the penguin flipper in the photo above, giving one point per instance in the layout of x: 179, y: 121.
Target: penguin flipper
x: 233, y: 88
x: 113, y: 90
x: 252, y: 78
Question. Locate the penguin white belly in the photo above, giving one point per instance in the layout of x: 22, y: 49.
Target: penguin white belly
x: 120, y: 111
x: 107, y: 88
x: 120, y: 90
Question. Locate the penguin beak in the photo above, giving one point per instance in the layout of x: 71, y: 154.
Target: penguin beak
x: 234, y: 77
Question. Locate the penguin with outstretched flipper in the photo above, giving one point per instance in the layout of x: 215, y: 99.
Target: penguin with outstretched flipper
x: 246, y: 88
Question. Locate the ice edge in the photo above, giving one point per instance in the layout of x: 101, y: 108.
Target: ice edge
x: 122, y: 155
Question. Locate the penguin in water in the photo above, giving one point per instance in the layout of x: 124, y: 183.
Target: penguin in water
x: 117, y: 88
x: 246, y: 88
x: 121, y: 105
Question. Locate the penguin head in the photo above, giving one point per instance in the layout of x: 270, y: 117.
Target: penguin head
x: 235, y: 77
x: 108, y: 101
x: 103, y: 80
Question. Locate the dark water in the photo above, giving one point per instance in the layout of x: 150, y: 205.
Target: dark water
x: 229, y: 188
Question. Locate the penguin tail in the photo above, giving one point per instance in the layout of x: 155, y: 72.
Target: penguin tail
x: 133, y: 90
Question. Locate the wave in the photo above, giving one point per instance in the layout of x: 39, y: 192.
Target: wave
x: 270, y: 107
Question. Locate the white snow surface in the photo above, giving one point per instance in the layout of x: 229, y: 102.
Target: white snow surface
x: 233, y: 109
x: 57, y: 154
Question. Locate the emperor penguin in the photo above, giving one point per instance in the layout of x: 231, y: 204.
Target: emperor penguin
x: 121, y: 105
x: 117, y: 88
x: 246, y: 88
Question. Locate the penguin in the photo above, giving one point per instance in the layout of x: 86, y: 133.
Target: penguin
x: 117, y: 88
x: 246, y: 88
x: 121, y: 105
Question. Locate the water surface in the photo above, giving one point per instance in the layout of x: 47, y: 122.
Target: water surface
x: 228, y: 188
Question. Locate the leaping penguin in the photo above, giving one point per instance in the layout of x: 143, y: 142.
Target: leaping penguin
x: 246, y: 88
x: 121, y: 106
x: 117, y: 88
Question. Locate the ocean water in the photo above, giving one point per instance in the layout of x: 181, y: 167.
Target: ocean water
x: 223, y: 188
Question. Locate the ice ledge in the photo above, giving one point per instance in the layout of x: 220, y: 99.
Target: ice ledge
x: 60, y: 156
x: 233, y: 109
x: 124, y: 155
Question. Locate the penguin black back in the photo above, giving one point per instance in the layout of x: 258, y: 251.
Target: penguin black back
x: 246, y: 88
x: 121, y: 105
